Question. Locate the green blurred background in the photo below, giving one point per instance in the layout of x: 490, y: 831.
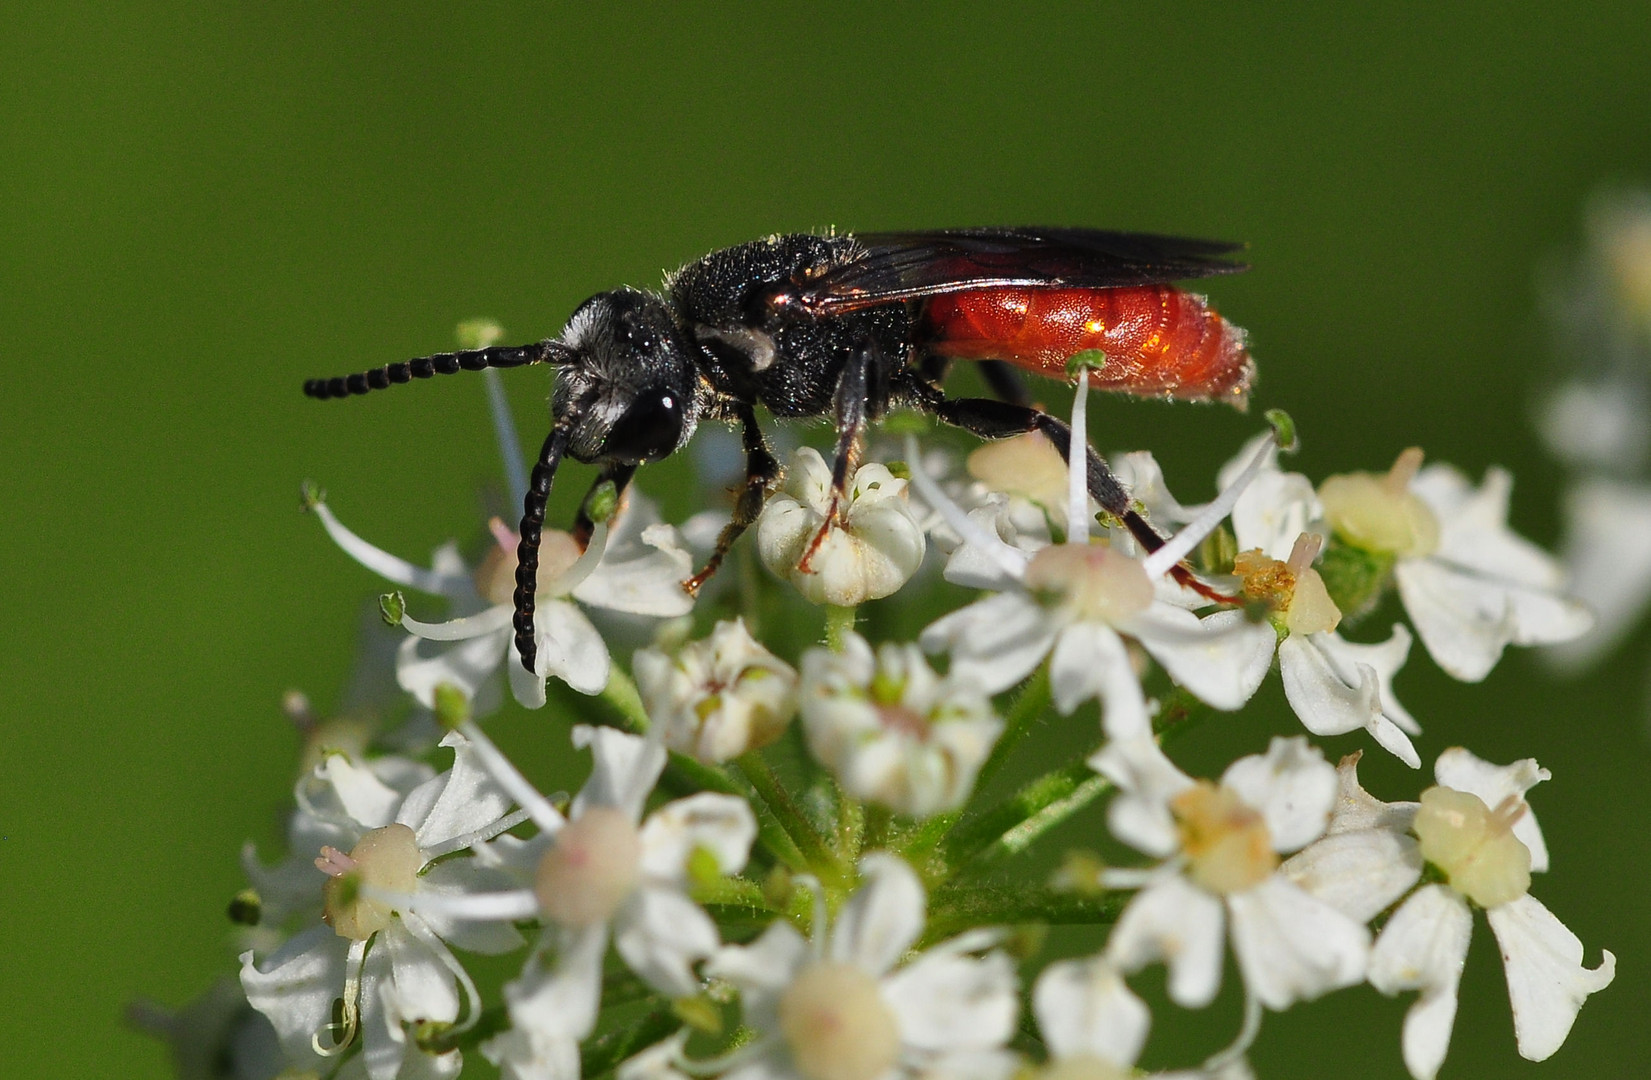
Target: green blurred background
x: 200, y: 205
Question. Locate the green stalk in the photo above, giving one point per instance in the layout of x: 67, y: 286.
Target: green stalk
x: 839, y: 622
x: 1082, y: 787
x: 603, y: 1054
x: 961, y: 907
x: 620, y: 694
x: 814, y: 848
x: 1029, y: 706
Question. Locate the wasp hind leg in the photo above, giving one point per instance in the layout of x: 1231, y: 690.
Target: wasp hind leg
x: 992, y: 419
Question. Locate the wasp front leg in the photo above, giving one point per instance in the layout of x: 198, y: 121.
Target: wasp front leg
x: 762, y: 472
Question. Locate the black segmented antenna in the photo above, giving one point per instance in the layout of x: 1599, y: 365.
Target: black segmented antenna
x: 533, y: 519
x: 499, y: 356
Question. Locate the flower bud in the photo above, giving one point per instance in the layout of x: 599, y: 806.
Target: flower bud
x: 716, y: 698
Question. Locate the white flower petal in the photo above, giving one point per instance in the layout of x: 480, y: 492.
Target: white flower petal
x: 1333, y: 693
x: 1147, y: 780
x: 996, y: 642
x: 1423, y: 947
x: 1357, y: 809
x: 657, y: 1062
x: 720, y: 824
x: 641, y: 578
x: 947, y: 1002
x: 993, y: 554
x: 461, y: 800
x: 529, y: 1054
x: 570, y: 648
x: 883, y: 917
x: 558, y: 992
x: 1090, y: 660
x: 465, y: 878
x: 762, y: 970
x: 295, y: 986
x: 624, y: 768
x: 1607, y: 551
x: 1274, y: 510
x: 1085, y: 1007
x: 470, y: 665
x: 1292, y: 947
x: 1221, y: 659
x: 393, y: 569
x: 1180, y: 924
x: 1462, y: 770
x: 365, y: 797
x: 526, y: 687
x: 403, y: 981
x: 970, y: 1065
x: 1293, y: 787
x: 1358, y: 873
x: 1547, y: 982
x: 662, y: 934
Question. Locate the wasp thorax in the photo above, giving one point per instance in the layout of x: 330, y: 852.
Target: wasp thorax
x: 594, y: 865
x: 387, y: 859
x: 837, y: 1025
x: 1381, y: 513
x: 1091, y: 581
x: 1226, y: 841
x: 1474, y: 845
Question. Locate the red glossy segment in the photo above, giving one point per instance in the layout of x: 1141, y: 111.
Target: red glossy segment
x: 1159, y: 341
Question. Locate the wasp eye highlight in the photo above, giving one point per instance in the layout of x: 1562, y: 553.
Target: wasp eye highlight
x: 648, y: 430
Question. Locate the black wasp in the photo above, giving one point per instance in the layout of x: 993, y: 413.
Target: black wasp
x: 850, y: 326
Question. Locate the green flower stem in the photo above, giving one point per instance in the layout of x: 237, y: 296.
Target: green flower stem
x: 981, y: 831
x: 821, y: 860
x: 1056, y: 796
x: 1028, y: 708
x: 839, y: 622
x: 961, y: 907
x: 622, y: 697
x: 603, y: 1054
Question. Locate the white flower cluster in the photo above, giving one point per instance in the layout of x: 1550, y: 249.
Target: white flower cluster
x: 834, y: 908
x: 1597, y: 420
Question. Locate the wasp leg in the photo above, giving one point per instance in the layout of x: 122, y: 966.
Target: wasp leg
x: 862, y: 394
x: 1005, y: 382
x: 613, y: 471
x: 762, y: 471
x: 992, y: 419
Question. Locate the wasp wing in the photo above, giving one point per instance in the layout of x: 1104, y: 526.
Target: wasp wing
x: 905, y: 265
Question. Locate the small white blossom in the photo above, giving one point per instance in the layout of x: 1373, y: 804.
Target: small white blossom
x: 1478, y: 833
x: 636, y: 569
x: 893, y: 731
x: 717, y: 698
x: 1076, y: 603
x: 1094, y: 1027
x: 408, y: 975
x: 1470, y: 585
x: 1607, y: 555
x: 842, y: 1008
x: 1221, y: 845
x: 870, y: 547
x: 601, y: 870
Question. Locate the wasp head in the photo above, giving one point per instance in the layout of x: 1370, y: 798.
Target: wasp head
x: 627, y: 380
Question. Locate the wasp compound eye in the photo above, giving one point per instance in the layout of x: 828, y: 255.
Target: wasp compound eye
x: 648, y: 430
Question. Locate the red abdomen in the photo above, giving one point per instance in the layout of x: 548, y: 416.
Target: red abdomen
x: 1158, y: 341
